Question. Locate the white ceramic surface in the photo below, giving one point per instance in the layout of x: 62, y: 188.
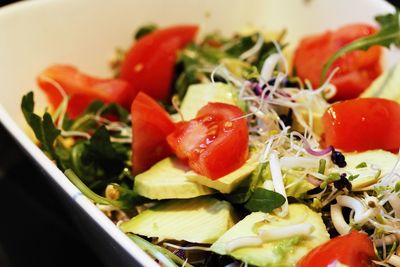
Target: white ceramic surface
x: 35, y: 34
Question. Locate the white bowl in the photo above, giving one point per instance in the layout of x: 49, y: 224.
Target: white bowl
x: 36, y: 34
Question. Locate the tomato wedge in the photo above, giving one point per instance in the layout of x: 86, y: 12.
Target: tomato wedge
x: 149, y: 64
x: 81, y: 88
x: 357, y: 69
x: 353, y: 250
x: 363, y: 124
x: 151, y: 125
x: 213, y: 143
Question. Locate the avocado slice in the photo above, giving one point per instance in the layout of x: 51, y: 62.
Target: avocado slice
x: 378, y: 163
x: 386, y: 85
x: 227, y: 183
x: 167, y: 180
x: 199, y: 220
x: 285, y: 252
x: 199, y: 95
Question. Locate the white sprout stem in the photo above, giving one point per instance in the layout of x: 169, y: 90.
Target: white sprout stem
x: 254, y: 49
x: 361, y: 215
x: 394, y: 201
x: 75, y: 134
x: 186, y: 248
x: 268, y: 68
x: 278, y: 48
x: 394, y: 260
x: 303, y: 229
x: 338, y: 221
x: 248, y: 241
x: 387, y: 240
x: 294, y: 162
x: 277, y: 180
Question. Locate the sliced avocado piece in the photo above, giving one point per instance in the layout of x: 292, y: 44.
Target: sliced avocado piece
x: 167, y: 180
x: 227, y: 183
x: 286, y: 252
x: 378, y: 163
x: 387, y: 85
x: 199, y: 220
x: 199, y: 95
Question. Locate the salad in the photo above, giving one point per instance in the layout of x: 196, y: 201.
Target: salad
x: 231, y: 151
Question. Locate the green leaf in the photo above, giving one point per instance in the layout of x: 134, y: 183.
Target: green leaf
x: 361, y: 165
x: 98, y: 161
x: 264, y: 200
x: 43, y: 127
x: 388, y: 34
x: 245, y: 189
x: 144, y: 30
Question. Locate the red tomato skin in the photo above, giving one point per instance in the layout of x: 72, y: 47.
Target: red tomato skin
x: 212, y: 144
x: 354, y: 249
x: 357, y: 69
x: 81, y: 88
x: 151, y: 124
x: 149, y: 64
x: 363, y: 124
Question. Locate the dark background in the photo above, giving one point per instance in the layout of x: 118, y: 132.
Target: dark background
x: 35, y: 229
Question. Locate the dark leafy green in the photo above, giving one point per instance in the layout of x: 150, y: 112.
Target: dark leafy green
x: 144, y: 30
x: 245, y: 189
x: 264, y: 200
x: 99, y: 161
x: 389, y: 34
x: 43, y: 127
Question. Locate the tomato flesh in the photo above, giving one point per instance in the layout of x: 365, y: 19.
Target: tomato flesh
x: 213, y: 143
x: 353, y: 250
x: 357, y: 69
x: 81, y: 88
x: 151, y: 125
x: 149, y: 64
x: 363, y: 124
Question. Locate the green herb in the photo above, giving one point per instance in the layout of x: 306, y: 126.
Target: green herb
x: 245, y: 189
x: 43, y: 127
x: 397, y: 187
x: 98, y: 161
x: 264, y: 200
x: 361, y: 165
x: 331, y: 178
x: 353, y: 177
x: 388, y: 34
x: 322, y: 166
x: 144, y: 30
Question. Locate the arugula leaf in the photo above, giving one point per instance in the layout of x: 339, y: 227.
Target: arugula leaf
x: 98, y: 161
x: 245, y: 189
x: 44, y: 128
x: 264, y: 200
x: 388, y: 34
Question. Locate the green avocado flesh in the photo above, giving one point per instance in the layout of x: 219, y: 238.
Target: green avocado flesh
x: 199, y: 220
x: 199, y: 95
x: 378, y: 163
x: 386, y: 85
x: 167, y: 180
x: 285, y: 252
x: 227, y: 183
